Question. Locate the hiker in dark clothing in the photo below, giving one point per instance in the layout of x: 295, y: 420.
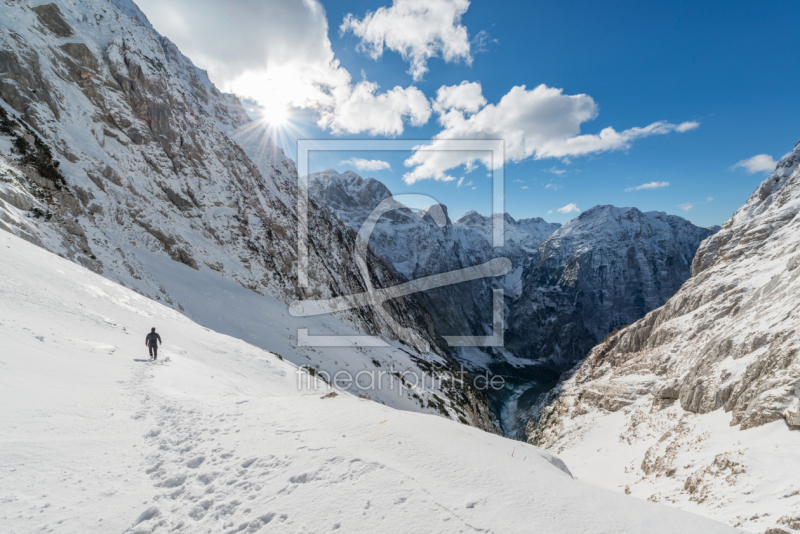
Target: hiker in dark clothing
x: 152, y: 341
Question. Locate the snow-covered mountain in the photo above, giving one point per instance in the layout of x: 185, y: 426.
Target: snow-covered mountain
x: 518, y: 234
x: 606, y: 268
x: 118, y: 153
x: 414, y: 245
x: 219, y: 436
x: 569, y: 286
x: 701, y: 398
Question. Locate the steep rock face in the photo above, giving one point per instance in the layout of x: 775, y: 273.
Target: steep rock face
x: 606, y: 268
x: 724, y: 349
x: 118, y: 153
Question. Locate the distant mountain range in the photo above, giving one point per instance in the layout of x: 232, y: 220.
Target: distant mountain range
x: 569, y: 287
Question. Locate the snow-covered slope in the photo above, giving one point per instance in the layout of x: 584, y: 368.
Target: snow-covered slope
x: 701, y: 398
x: 166, y: 186
x: 217, y: 436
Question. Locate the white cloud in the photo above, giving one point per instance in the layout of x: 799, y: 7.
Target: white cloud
x: 366, y: 164
x: 467, y: 96
x: 549, y: 212
x: 525, y: 187
x: 687, y: 126
x: 538, y: 123
x: 461, y: 182
x: 481, y: 41
x: 555, y: 170
x: 651, y: 185
x: 416, y: 29
x: 569, y: 208
x: 710, y: 199
x: 360, y: 108
x: 554, y: 187
x: 267, y: 50
x: 278, y: 53
x: 761, y: 163
x: 686, y: 206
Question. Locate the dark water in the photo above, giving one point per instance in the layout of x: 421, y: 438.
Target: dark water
x: 524, y: 387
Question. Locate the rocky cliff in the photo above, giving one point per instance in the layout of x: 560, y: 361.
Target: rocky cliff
x: 702, y: 393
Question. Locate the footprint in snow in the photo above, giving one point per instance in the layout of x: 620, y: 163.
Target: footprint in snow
x: 194, y: 463
x: 174, y: 482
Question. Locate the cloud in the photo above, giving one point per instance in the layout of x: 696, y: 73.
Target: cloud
x: 279, y: 48
x: 481, y: 41
x: 687, y: 126
x: 555, y: 170
x: 539, y: 123
x: 761, y: 163
x: 361, y: 108
x: 525, y: 187
x: 688, y: 206
x: 651, y: 185
x: 416, y: 29
x: 467, y: 96
x: 366, y: 164
x: 554, y: 187
x: 461, y: 182
x: 569, y: 208
x: 278, y: 53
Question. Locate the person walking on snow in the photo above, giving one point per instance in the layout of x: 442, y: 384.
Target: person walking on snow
x: 152, y: 341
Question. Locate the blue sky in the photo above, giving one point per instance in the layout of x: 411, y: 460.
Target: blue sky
x: 726, y: 70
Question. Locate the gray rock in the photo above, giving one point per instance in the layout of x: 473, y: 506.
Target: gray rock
x: 51, y: 17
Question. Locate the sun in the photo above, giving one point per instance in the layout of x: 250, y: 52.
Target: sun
x: 274, y: 114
